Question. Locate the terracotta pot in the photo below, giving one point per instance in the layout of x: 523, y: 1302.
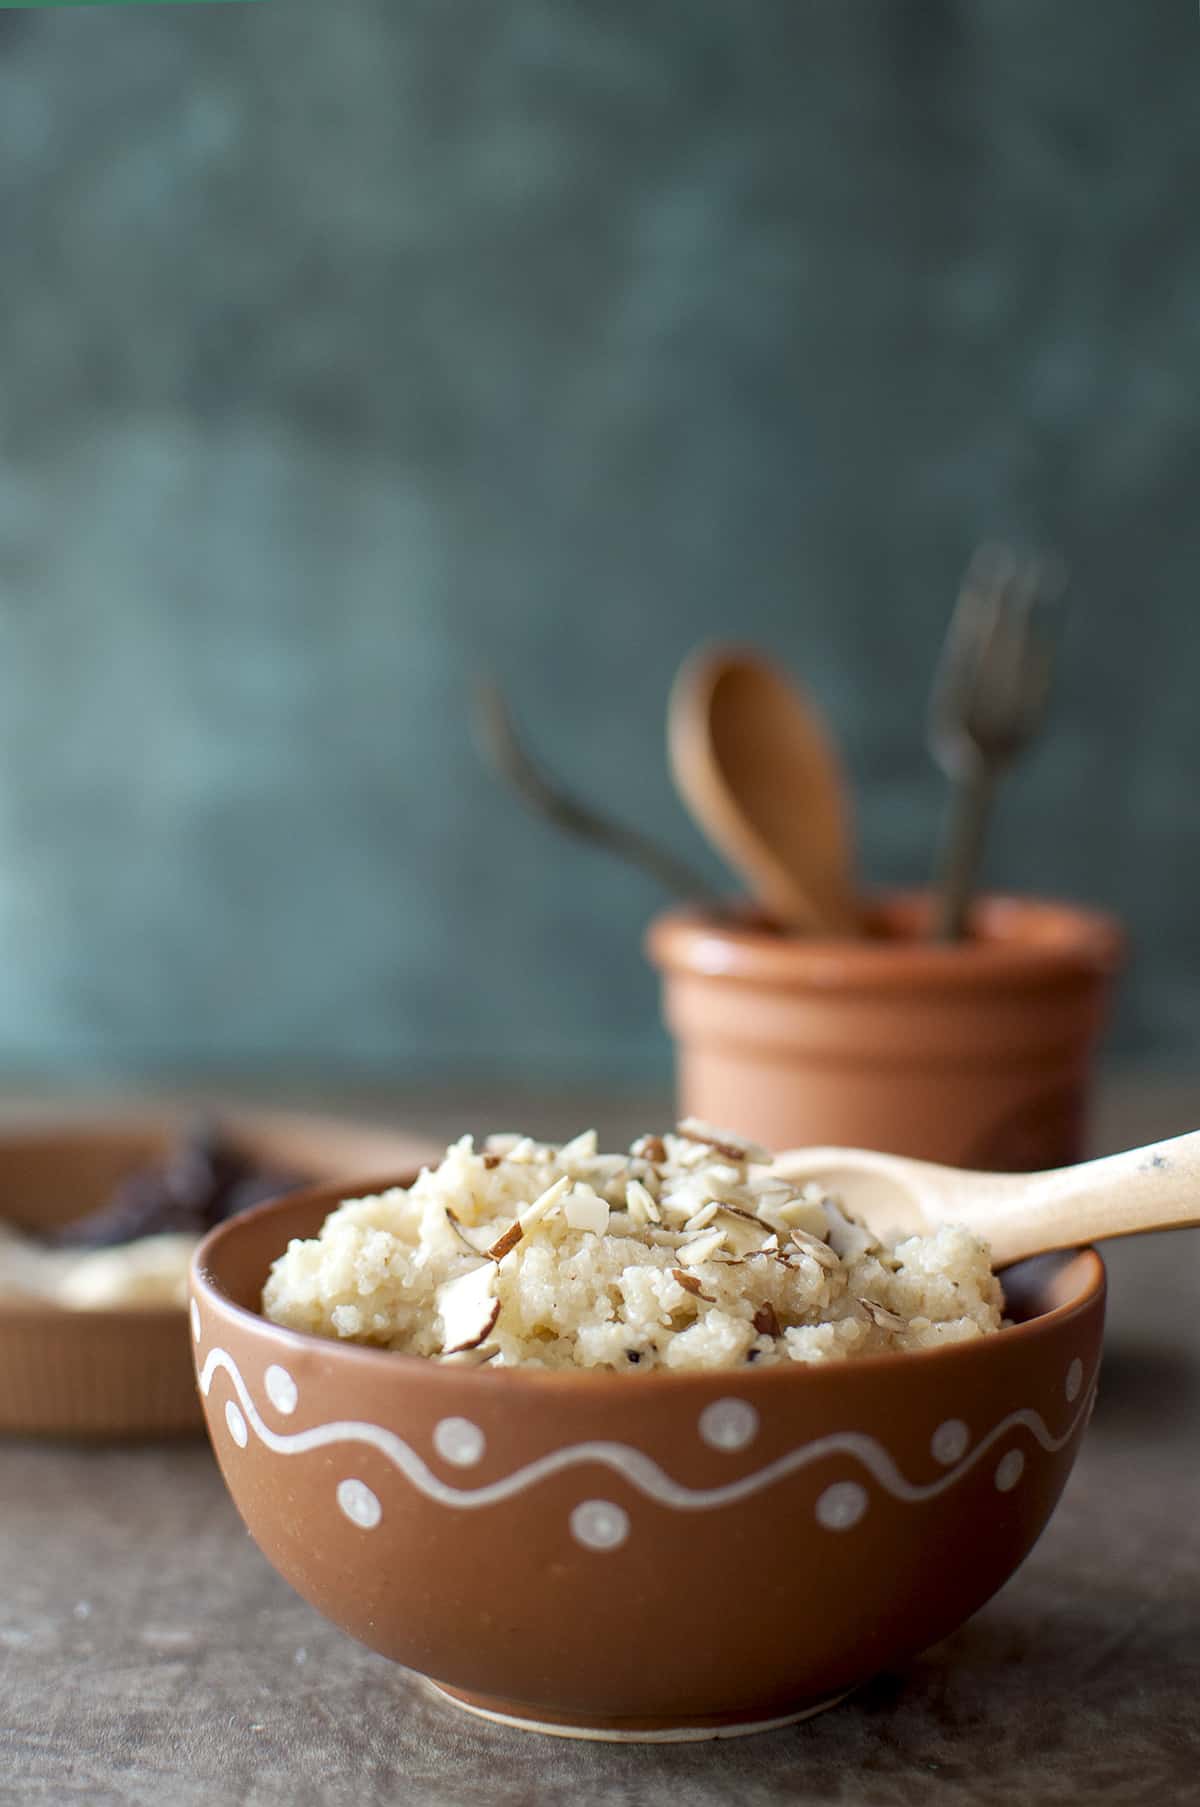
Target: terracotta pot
x: 126, y: 1372
x: 976, y: 1054
x: 642, y: 1556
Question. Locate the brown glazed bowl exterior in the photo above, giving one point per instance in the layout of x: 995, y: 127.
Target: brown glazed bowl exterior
x: 126, y: 1372
x: 642, y: 1556
x: 975, y: 1054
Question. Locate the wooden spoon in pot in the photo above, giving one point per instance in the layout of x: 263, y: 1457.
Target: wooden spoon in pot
x: 1019, y: 1214
x: 754, y: 763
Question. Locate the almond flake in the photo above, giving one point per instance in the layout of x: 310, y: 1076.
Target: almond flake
x: 471, y: 1358
x: 881, y: 1317
x: 693, y: 1129
x: 701, y: 1248
x: 801, y: 1214
x: 504, y: 1142
x: 459, y: 1228
x: 690, y: 1284
x: 820, y: 1251
x: 586, y: 1210
x: 506, y: 1241
x: 850, y: 1239
x: 468, y: 1308
x: 641, y: 1204
x: 544, y: 1204
x: 744, y: 1233
x: 701, y: 1219
x: 649, y: 1148
x: 769, y: 1247
x: 765, y: 1321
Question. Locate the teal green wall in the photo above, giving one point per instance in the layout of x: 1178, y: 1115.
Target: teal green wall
x: 348, y: 348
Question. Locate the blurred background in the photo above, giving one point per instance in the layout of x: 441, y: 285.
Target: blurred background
x: 346, y: 350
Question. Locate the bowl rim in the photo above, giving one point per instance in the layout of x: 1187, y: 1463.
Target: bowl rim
x: 202, y: 1284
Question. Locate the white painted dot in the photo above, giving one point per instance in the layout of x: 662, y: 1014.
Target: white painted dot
x: 949, y: 1442
x: 281, y: 1389
x: 600, y: 1524
x: 194, y: 1313
x: 459, y: 1441
x: 237, y: 1424
x: 1074, y: 1379
x: 728, y: 1424
x: 841, y: 1505
x: 360, y: 1505
x: 1009, y: 1470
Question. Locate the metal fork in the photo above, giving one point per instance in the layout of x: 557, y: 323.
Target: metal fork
x: 988, y: 703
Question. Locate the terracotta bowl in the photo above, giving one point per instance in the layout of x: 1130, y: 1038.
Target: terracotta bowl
x: 976, y: 1053
x: 652, y: 1556
x: 127, y: 1373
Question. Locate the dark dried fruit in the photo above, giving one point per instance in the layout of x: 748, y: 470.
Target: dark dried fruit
x: 202, y: 1181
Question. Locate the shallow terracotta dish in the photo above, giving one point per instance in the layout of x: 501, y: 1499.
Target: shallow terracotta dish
x: 646, y: 1557
x: 126, y: 1373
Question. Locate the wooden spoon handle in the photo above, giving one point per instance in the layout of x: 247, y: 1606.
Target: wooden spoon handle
x: 1152, y: 1188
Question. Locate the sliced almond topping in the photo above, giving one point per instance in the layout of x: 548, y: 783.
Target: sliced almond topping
x: 701, y: 1248
x: 471, y: 1358
x: 506, y: 1241
x: 693, y: 1129
x: 641, y: 1204
x: 700, y: 1220
x: 850, y: 1239
x: 820, y: 1251
x: 881, y: 1316
x: 460, y: 1230
x: 468, y: 1308
x: 649, y: 1148
x: 801, y: 1214
x: 773, y: 1191
x: 586, y: 1210
x: 765, y: 1321
x: 579, y: 1148
x: 744, y: 1233
x: 769, y: 1247
x: 503, y: 1143
x: 544, y: 1204
x: 691, y: 1284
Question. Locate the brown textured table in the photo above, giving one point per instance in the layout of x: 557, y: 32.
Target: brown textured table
x: 149, y: 1655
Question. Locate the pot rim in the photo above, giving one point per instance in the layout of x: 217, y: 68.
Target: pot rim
x: 1091, y: 1291
x: 1022, y: 940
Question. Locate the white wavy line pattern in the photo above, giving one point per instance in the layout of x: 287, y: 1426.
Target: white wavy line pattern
x: 632, y: 1464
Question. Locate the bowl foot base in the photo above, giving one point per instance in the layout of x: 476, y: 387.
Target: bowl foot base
x: 626, y: 1731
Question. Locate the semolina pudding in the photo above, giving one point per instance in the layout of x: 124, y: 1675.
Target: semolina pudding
x: 685, y: 1253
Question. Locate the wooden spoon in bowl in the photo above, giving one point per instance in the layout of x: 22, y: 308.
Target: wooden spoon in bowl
x: 754, y: 763
x: 1019, y: 1214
